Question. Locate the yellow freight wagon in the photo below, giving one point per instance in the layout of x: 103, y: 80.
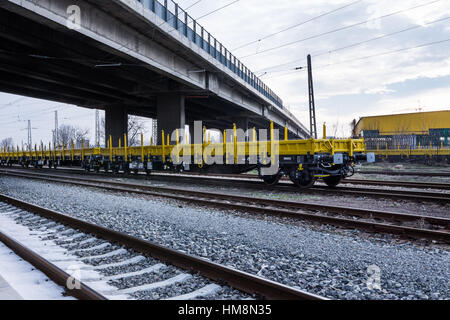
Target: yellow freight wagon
x: 303, y: 161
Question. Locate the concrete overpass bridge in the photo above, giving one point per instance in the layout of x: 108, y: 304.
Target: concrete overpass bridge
x: 146, y: 58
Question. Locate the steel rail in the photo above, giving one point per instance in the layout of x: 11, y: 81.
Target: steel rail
x: 402, y: 173
x: 55, y: 274
x: 282, y: 186
x: 240, y: 280
x: 421, y: 185
x: 378, y: 193
x: 289, y: 209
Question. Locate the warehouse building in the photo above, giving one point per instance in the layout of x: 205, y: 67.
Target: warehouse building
x: 406, y: 131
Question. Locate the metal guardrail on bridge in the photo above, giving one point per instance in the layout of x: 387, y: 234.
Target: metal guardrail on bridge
x: 180, y: 20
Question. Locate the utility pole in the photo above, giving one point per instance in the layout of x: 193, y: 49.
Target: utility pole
x: 56, y: 129
x: 312, y: 105
x: 155, y: 130
x: 97, y: 128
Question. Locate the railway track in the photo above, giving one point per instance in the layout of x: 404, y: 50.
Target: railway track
x: 407, y: 225
x: 409, y: 173
x: 400, y: 184
x: 121, y: 266
x: 318, y: 189
x: 288, y: 187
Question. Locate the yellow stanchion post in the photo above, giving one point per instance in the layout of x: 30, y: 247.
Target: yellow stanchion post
x: 142, y: 147
x: 235, y: 143
x: 110, y: 149
x: 163, y: 146
x: 82, y: 149
x: 125, y: 145
x: 324, y: 131
x: 204, y: 136
x: 72, y: 151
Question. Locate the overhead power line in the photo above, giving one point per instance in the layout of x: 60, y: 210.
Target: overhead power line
x: 370, y: 56
x: 187, y: 8
x: 321, y: 53
x: 194, y: 4
x: 296, y: 25
x: 216, y: 10
x: 386, y: 53
x: 339, y: 29
x: 12, y: 102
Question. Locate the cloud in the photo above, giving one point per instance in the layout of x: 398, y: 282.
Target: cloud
x: 427, y: 100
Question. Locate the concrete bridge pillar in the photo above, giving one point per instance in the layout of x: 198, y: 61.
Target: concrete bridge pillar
x: 170, y: 114
x: 116, y: 124
x: 191, y: 132
x: 241, y: 123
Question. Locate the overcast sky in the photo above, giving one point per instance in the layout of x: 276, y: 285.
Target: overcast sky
x: 348, y: 85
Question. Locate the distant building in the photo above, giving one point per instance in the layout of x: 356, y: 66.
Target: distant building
x: 406, y: 131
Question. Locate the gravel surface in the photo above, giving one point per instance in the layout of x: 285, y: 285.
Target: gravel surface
x: 325, y: 262
x: 425, y: 208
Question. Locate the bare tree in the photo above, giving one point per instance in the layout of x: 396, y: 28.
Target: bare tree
x: 136, y: 126
x: 68, y: 133
x: 7, y: 143
x: 353, y: 125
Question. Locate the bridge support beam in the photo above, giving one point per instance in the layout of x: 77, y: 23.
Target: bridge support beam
x: 116, y: 124
x: 170, y: 113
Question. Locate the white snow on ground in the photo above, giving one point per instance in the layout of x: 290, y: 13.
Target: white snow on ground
x: 28, y: 282
x: 53, y: 253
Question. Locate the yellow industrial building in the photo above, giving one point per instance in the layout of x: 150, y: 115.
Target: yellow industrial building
x: 421, y: 133
x: 414, y: 128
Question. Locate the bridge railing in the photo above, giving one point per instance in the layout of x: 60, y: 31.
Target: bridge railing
x: 181, y: 21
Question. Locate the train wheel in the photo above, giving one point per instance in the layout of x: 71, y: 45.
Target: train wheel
x: 302, y: 179
x: 332, y: 181
x: 305, y: 184
x: 272, y: 180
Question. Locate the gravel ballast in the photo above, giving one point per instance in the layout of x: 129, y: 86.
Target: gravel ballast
x: 323, y: 261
